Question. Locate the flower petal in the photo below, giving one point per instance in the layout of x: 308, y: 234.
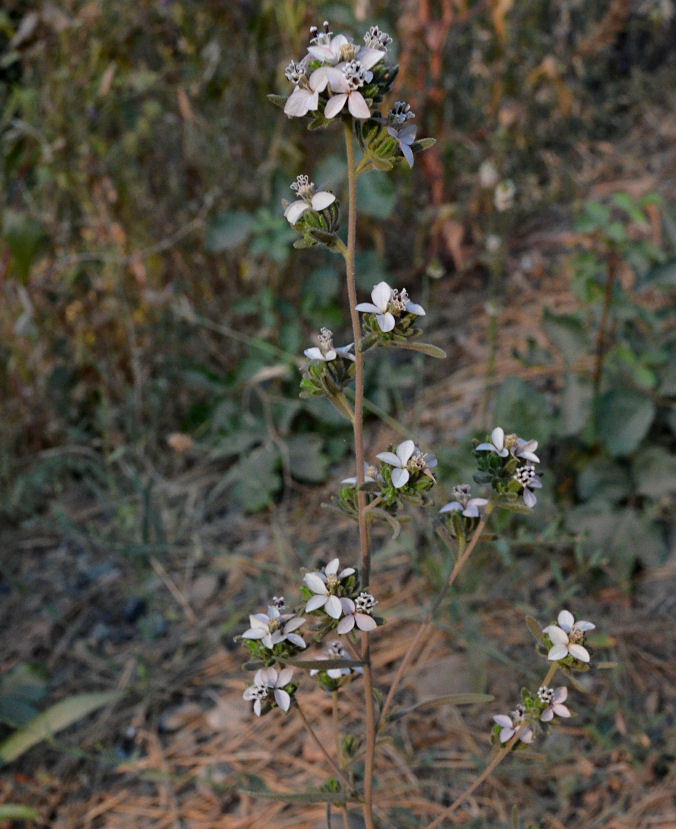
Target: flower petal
x: 285, y: 676
x: 453, y: 506
x: 296, y: 640
x: 315, y: 603
x: 498, y: 438
x: 332, y: 567
x: 583, y: 625
x: 557, y: 652
x: 558, y: 636
x: 386, y: 322
x: 579, y: 653
x: 367, y: 307
x: 369, y: 57
x: 345, y: 625
x: 282, y: 699
x: 413, y: 307
x: 322, y: 200
x: 561, y: 710
x: 297, y: 103
x: 399, y: 477
x: 357, y: 105
x: 389, y: 458
x: 295, y: 210
x: 318, y: 79
x: 294, y: 624
x: 407, y: 152
x: 405, y: 450
x: 333, y: 607
x: 316, y: 583
x: 547, y: 715
x: 529, y: 498
x: 365, y: 622
x: 503, y: 720
x: 334, y: 105
x: 505, y: 734
x: 314, y: 353
x: 381, y: 296
x: 566, y: 620
x: 407, y: 134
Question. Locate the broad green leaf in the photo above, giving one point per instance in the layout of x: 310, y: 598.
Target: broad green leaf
x: 567, y: 333
x: 446, y: 699
x: 276, y: 100
x: 423, y: 144
x: 623, y: 419
x: 228, y: 230
x: 575, y: 405
x: 53, y: 720
x: 255, y: 479
x: 376, y: 196
x: 306, y: 458
x: 17, y: 811
x: 603, y: 478
x: 655, y: 472
x: 522, y: 409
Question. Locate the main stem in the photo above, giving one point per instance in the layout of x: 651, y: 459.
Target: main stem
x: 359, y: 457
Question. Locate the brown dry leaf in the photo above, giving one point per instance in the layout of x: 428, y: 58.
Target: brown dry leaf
x: 184, y: 106
x: 453, y: 231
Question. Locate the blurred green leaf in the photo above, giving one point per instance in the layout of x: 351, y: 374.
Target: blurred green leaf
x: 522, y: 409
x: 655, y: 472
x: 623, y: 419
x: 26, y: 238
x: 306, y: 458
x: 17, y: 811
x: 567, y: 333
x: 228, y: 230
x: 53, y: 720
x: 254, y: 480
x: 604, y: 478
x: 575, y: 405
x: 376, y: 196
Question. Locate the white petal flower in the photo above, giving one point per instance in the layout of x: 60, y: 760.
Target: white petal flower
x: 399, y: 460
x: 269, y: 681
x: 529, y: 480
x: 309, y: 199
x: 510, y: 725
x: 380, y: 296
x: 496, y: 444
x: 325, y: 351
x: 336, y: 650
x: 305, y: 97
x: 324, y: 585
x: 358, y: 613
x: 370, y: 475
x: 567, y: 638
x: 274, y: 627
x: 345, y: 81
x: 404, y: 138
x: 468, y: 506
x: 554, y: 700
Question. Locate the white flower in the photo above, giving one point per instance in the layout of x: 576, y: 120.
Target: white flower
x: 405, y: 459
x: 266, y: 681
x: 525, y: 449
x: 404, y: 138
x: 273, y: 628
x: 345, y: 82
x: 554, y: 700
x: 567, y: 638
x: 496, y: 443
x: 503, y: 198
x: 387, y: 300
x: 468, y: 506
x: 510, y: 725
x: 339, y: 50
x: 370, y: 475
x: 324, y: 585
x: 308, y: 199
x: 336, y: 650
x: 358, y: 613
x: 326, y: 351
x: 376, y: 38
x: 305, y: 97
x: 528, y: 479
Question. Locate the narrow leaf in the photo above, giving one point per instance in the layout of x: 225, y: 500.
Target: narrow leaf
x: 423, y: 348
x: 535, y: 629
x: 17, y: 811
x: 323, y: 664
x: 376, y: 512
x: 53, y: 720
x: 298, y: 797
x: 446, y: 699
x: 277, y: 100
x: 423, y: 144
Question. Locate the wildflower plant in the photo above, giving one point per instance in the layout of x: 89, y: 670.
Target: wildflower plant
x: 327, y: 637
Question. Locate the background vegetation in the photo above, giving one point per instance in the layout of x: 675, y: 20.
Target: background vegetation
x: 156, y: 463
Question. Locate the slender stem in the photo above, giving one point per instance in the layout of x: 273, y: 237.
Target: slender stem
x: 413, y: 647
x: 495, y: 762
x: 359, y: 457
x: 336, y: 727
x: 319, y: 745
x: 359, y: 357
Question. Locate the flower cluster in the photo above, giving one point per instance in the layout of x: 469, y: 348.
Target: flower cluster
x: 463, y: 513
x: 328, y: 368
x: 566, y: 640
x: 337, y: 73
x: 274, y: 634
x: 389, y: 309
x: 333, y: 593
x: 507, y: 462
x: 271, y: 688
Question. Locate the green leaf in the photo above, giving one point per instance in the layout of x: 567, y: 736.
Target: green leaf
x: 446, y: 699
x: 298, y: 797
x: 255, y: 479
x: 603, y: 478
x: 423, y: 348
x: 323, y: 664
x: 423, y: 144
x: 534, y: 627
x: 26, y: 237
x: 575, y: 405
x: 567, y: 333
x: 623, y: 418
x: 655, y: 472
x: 53, y: 720
x: 522, y: 409
x: 376, y: 196
x: 277, y: 100
x: 228, y: 230
x: 17, y: 811
x: 306, y: 458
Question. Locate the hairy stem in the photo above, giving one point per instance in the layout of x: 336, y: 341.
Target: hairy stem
x: 413, y: 647
x: 495, y: 762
